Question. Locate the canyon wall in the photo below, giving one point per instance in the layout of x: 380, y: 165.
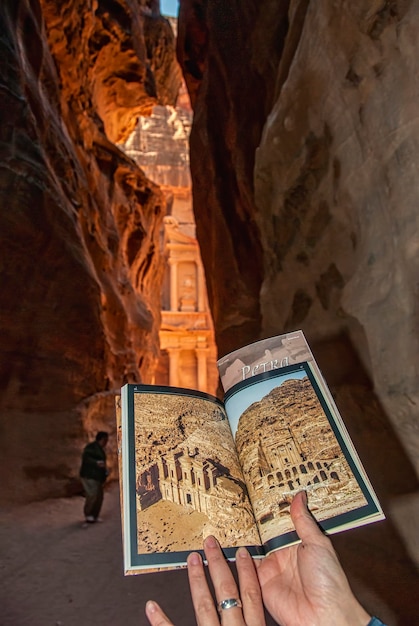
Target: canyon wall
x: 304, y: 153
x: 337, y: 195
x: 80, y: 227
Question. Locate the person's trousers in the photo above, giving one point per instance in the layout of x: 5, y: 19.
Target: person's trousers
x: 93, y: 491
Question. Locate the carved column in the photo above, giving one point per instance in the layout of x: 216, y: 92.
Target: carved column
x: 174, y: 357
x: 201, y: 355
x: 212, y: 475
x: 201, y: 287
x: 174, y: 299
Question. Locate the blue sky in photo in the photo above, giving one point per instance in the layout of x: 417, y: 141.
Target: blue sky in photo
x: 239, y: 402
x: 169, y: 7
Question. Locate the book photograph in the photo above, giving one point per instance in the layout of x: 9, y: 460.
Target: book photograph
x: 183, y: 476
x: 288, y: 438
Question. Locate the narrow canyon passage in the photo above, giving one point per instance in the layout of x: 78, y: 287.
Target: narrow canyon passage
x: 304, y: 157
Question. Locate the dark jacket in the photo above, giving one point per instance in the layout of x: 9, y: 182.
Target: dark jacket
x: 93, y: 453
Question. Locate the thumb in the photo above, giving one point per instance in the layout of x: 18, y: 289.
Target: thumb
x: 305, y: 524
x: 155, y: 615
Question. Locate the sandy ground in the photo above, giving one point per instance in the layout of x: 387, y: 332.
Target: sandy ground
x: 56, y: 573
x: 159, y: 525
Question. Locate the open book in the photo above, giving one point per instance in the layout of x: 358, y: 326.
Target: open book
x: 192, y: 465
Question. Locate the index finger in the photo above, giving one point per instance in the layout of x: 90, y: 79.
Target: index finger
x: 225, y: 586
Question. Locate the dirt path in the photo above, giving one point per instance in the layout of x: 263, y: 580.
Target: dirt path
x: 55, y: 573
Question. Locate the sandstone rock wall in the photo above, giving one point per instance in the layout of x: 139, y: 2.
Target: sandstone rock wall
x: 80, y: 264
x: 337, y: 195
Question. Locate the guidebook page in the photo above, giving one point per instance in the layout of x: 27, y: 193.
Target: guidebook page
x: 290, y: 436
x: 181, y: 478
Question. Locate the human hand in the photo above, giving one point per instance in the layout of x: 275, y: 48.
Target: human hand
x: 250, y: 614
x: 305, y: 583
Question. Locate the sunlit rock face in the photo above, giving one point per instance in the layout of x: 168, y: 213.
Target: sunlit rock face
x: 160, y: 146
x: 304, y: 154
x: 80, y: 261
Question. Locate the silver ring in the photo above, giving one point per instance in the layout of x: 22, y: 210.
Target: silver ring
x: 230, y: 603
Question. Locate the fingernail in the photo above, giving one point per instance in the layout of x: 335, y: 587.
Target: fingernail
x: 242, y: 553
x: 194, y: 559
x: 210, y: 542
x: 150, y: 606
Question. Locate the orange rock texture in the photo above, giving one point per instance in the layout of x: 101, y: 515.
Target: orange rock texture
x: 80, y: 261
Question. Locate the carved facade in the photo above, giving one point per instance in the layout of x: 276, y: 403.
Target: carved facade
x: 160, y: 145
x: 282, y: 463
x: 186, y: 334
x: 185, y: 479
x: 285, y: 443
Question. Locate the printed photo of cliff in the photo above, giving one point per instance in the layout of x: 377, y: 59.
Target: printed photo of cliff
x: 263, y: 356
x: 285, y: 443
x: 188, y: 480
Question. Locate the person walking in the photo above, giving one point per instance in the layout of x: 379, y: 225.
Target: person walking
x: 93, y: 475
